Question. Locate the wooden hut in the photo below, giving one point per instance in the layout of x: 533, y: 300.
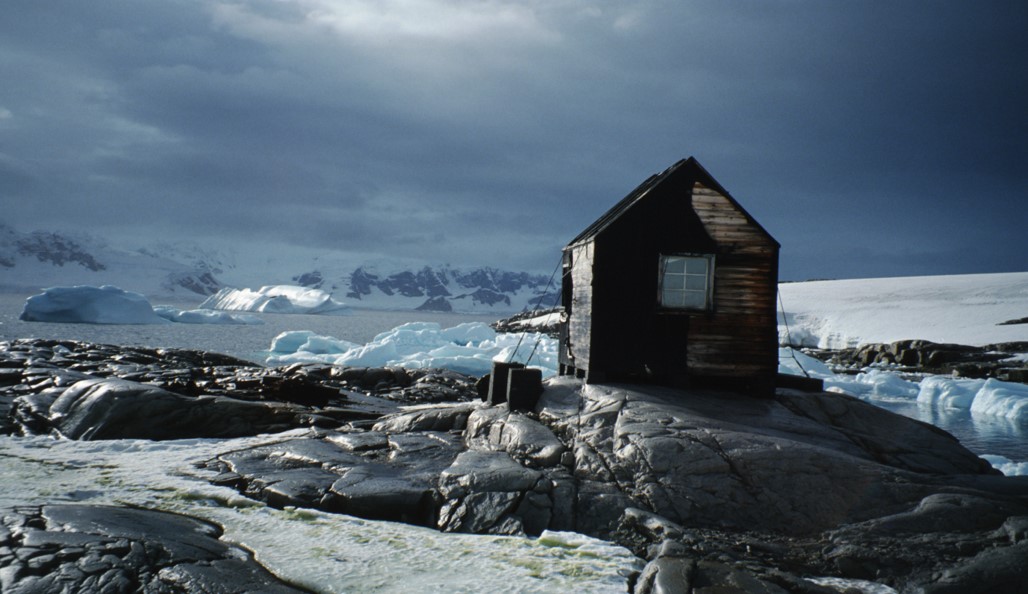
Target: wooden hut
x: 676, y: 284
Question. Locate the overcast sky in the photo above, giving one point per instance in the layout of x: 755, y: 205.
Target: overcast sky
x: 870, y: 138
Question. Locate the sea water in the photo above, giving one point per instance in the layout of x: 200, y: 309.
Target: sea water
x: 248, y: 342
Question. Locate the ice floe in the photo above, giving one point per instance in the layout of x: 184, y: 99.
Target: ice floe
x: 468, y: 348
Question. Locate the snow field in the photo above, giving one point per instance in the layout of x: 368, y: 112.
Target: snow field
x: 962, y: 309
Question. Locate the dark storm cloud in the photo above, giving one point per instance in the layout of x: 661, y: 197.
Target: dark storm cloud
x: 869, y: 138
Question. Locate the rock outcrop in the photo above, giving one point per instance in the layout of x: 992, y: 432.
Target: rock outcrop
x: 714, y: 489
x: 718, y: 491
x: 90, y: 548
x: 923, y: 356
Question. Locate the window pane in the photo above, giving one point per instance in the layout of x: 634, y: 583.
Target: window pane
x: 673, y: 299
x: 675, y: 282
x: 696, y: 266
x: 694, y: 299
x: 685, y: 282
x: 674, y: 265
x: 695, y: 282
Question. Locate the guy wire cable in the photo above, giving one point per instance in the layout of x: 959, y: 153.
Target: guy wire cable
x: 524, y: 332
x: 788, y: 335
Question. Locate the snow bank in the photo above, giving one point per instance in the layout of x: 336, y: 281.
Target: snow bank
x: 285, y: 299
x: 963, y: 309
x: 204, y: 316
x: 468, y: 348
x: 90, y: 305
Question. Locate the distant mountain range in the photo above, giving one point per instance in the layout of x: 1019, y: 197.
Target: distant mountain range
x: 34, y: 260
x: 439, y: 288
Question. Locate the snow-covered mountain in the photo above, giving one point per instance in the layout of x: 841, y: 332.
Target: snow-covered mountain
x: 38, y: 259
x: 440, y: 288
x: 186, y: 270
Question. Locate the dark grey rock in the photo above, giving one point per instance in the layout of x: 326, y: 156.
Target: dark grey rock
x: 719, y: 491
x: 120, y: 409
x: 89, y: 548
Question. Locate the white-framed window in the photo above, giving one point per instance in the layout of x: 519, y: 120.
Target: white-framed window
x: 686, y: 281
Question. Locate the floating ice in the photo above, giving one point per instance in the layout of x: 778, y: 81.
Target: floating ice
x: 1006, y: 465
x: 1002, y: 399
x: 990, y: 397
x: 874, y: 384
x: 948, y: 392
x: 793, y: 362
x: 204, y: 316
x: 90, y: 305
x: 285, y: 299
x: 468, y: 348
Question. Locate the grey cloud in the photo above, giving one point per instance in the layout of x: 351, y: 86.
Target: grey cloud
x: 854, y: 132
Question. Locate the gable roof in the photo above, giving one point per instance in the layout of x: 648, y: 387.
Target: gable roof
x: 700, y: 174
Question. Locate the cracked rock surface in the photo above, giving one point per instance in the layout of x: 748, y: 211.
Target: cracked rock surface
x: 91, y: 548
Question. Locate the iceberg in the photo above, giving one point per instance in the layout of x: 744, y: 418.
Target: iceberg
x: 1002, y: 399
x: 468, y: 348
x: 84, y: 304
x: 204, y: 316
x: 990, y: 397
x: 1006, y: 465
x: 948, y: 392
x: 284, y: 299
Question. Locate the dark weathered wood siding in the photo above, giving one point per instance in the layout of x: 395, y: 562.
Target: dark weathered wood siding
x: 615, y: 328
x: 740, y: 338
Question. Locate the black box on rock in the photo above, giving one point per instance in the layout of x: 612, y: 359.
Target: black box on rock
x: 524, y: 386
x: 498, y: 381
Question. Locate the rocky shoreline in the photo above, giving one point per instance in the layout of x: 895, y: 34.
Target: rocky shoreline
x: 1000, y: 361
x: 716, y: 491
